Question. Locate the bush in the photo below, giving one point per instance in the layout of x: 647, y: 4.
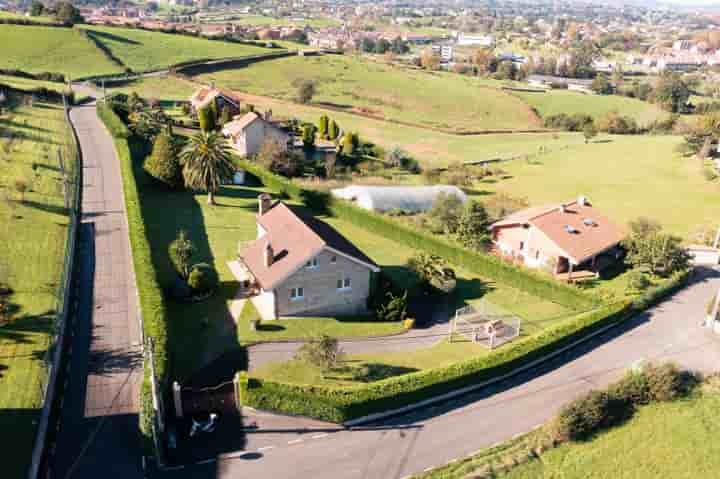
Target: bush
x: 322, y: 353
x: 163, y: 164
x: 586, y: 415
x: 665, y: 382
x: 203, y: 278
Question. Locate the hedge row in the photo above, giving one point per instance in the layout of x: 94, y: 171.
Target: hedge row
x: 484, y: 265
x: 152, y: 304
x: 343, y: 404
x: 44, y: 76
x: 40, y: 93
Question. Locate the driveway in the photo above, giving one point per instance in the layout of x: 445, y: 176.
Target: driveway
x: 283, y: 447
x: 98, y: 429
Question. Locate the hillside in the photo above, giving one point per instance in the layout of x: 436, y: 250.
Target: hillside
x: 569, y: 102
x: 51, y: 49
x: 143, y: 50
x: 438, y: 100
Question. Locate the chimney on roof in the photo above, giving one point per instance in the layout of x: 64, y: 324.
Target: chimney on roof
x: 264, y: 203
x: 268, y: 255
x: 582, y: 201
x: 561, y: 208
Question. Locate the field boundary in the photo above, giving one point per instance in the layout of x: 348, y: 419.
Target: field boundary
x: 64, y: 289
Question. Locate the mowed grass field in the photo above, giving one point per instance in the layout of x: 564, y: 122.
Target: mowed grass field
x: 51, y: 49
x: 438, y: 100
x: 33, y: 236
x: 623, y: 176
x: 662, y: 440
x: 163, y: 88
x: 29, y: 84
x: 143, y: 50
x: 555, y: 102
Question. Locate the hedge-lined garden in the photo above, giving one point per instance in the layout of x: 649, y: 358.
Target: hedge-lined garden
x: 337, y: 404
x: 152, y: 304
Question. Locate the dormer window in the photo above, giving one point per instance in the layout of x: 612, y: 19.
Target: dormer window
x: 312, y: 264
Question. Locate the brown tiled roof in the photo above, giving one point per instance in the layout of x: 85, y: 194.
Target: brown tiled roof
x: 578, y: 229
x: 295, y: 238
x: 236, y: 126
x: 204, y: 94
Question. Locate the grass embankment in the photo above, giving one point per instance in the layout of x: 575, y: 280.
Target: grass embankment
x: 624, y: 176
x: 51, y: 49
x: 674, y: 439
x: 438, y: 100
x: 143, y: 50
x: 555, y: 102
x: 33, y: 234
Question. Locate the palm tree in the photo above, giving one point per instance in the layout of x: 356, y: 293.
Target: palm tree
x: 206, y: 163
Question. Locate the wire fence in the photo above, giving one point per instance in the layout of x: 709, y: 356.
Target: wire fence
x: 69, y: 163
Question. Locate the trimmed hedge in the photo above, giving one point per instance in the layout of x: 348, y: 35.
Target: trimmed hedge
x: 152, y: 304
x: 485, y: 265
x: 343, y: 404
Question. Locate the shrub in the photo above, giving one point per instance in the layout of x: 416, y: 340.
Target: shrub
x: 394, y: 308
x: 665, y: 382
x: 305, y: 90
x: 323, y: 353
x: 584, y: 416
x: 163, y: 163
x: 181, y: 251
x: 203, y: 278
x: 638, y: 281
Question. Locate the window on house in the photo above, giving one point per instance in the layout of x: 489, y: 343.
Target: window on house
x: 333, y: 259
x: 313, y: 263
x: 522, y: 245
x: 537, y: 254
x: 297, y: 293
x: 343, y: 283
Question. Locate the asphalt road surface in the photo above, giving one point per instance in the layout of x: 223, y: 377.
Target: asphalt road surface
x: 98, y: 430
x: 405, y: 445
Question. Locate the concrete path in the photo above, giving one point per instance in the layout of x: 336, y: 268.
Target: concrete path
x: 288, y: 448
x: 437, y: 330
x: 98, y: 435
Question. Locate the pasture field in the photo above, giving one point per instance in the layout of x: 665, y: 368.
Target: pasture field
x: 33, y: 232
x: 624, y: 176
x: 51, y: 49
x: 29, y: 84
x: 262, y: 20
x: 163, y: 88
x: 438, y: 100
x: 555, y: 102
x: 673, y: 439
x: 143, y: 50
x: 17, y: 16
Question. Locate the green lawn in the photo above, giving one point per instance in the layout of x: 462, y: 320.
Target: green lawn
x: 439, y: 100
x: 563, y: 101
x: 18, y: 16
x: 144, y: 50
x: 262, y: 20
x: 33, y: 236
x: 164, y: 88
x: 624, y: 176
x: 51, y: 49
x: 675, y: 440
x: 29, y: 84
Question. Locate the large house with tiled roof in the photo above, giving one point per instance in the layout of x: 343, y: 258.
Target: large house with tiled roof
x: 301, y: 266
x: 205, y: 95
x: 248, y: 132
x: 561, y: 238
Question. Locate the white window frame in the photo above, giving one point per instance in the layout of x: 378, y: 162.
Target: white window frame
x: 345, y: 283
x: 312, y: 264
x: 297, y: 294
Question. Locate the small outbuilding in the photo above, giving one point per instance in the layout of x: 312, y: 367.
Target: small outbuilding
x: 412, y: 199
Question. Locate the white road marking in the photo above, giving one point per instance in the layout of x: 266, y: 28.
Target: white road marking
x: 265, y: 448
x: 295, y: 441
x: 320, y: 436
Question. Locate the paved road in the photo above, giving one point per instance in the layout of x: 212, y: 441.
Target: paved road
x: 98, y: 434
x: 409, y: 444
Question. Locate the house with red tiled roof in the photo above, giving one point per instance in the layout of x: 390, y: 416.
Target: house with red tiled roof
x: 203, y: 96
x: 572, y: 240
x: 301, y: 266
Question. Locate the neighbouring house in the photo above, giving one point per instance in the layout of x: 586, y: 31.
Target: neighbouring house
x: 301, y: 266
x: 410, y: 199
x: 204, y: 95
x: 248, y: 132
x: 571, y: 240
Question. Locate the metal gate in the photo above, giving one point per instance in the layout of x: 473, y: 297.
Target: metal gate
x: 220, y: 398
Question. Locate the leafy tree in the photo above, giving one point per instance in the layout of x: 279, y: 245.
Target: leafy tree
x: 589, y: 132
x: 485, y: 61
x: 394, y: 308
x: 601, y: 85
x: 278, y: 160
x: 67, y: 14
x: 445, y: 213
x: 350, y: 143
x: 367, y: 45
x: 203, y: 278
x: 207, y: 163
x: 429, y: 60
x: 399, y: 47
x: 148, y: 124
x: 637, y: 281
x: 671, y: 93
x: 382, y: 46
x: 323, y: 353
x: 181, y: 251
x: 650, y: 249
x: 333, y: 130
x: 472, y: 229
x: 207, y: 119
x: 37, y: 9
x: 506, y: 70
x: 433, y: 272
x: 163, y: 163
x: 306, y: 90
x: 323, y: 127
